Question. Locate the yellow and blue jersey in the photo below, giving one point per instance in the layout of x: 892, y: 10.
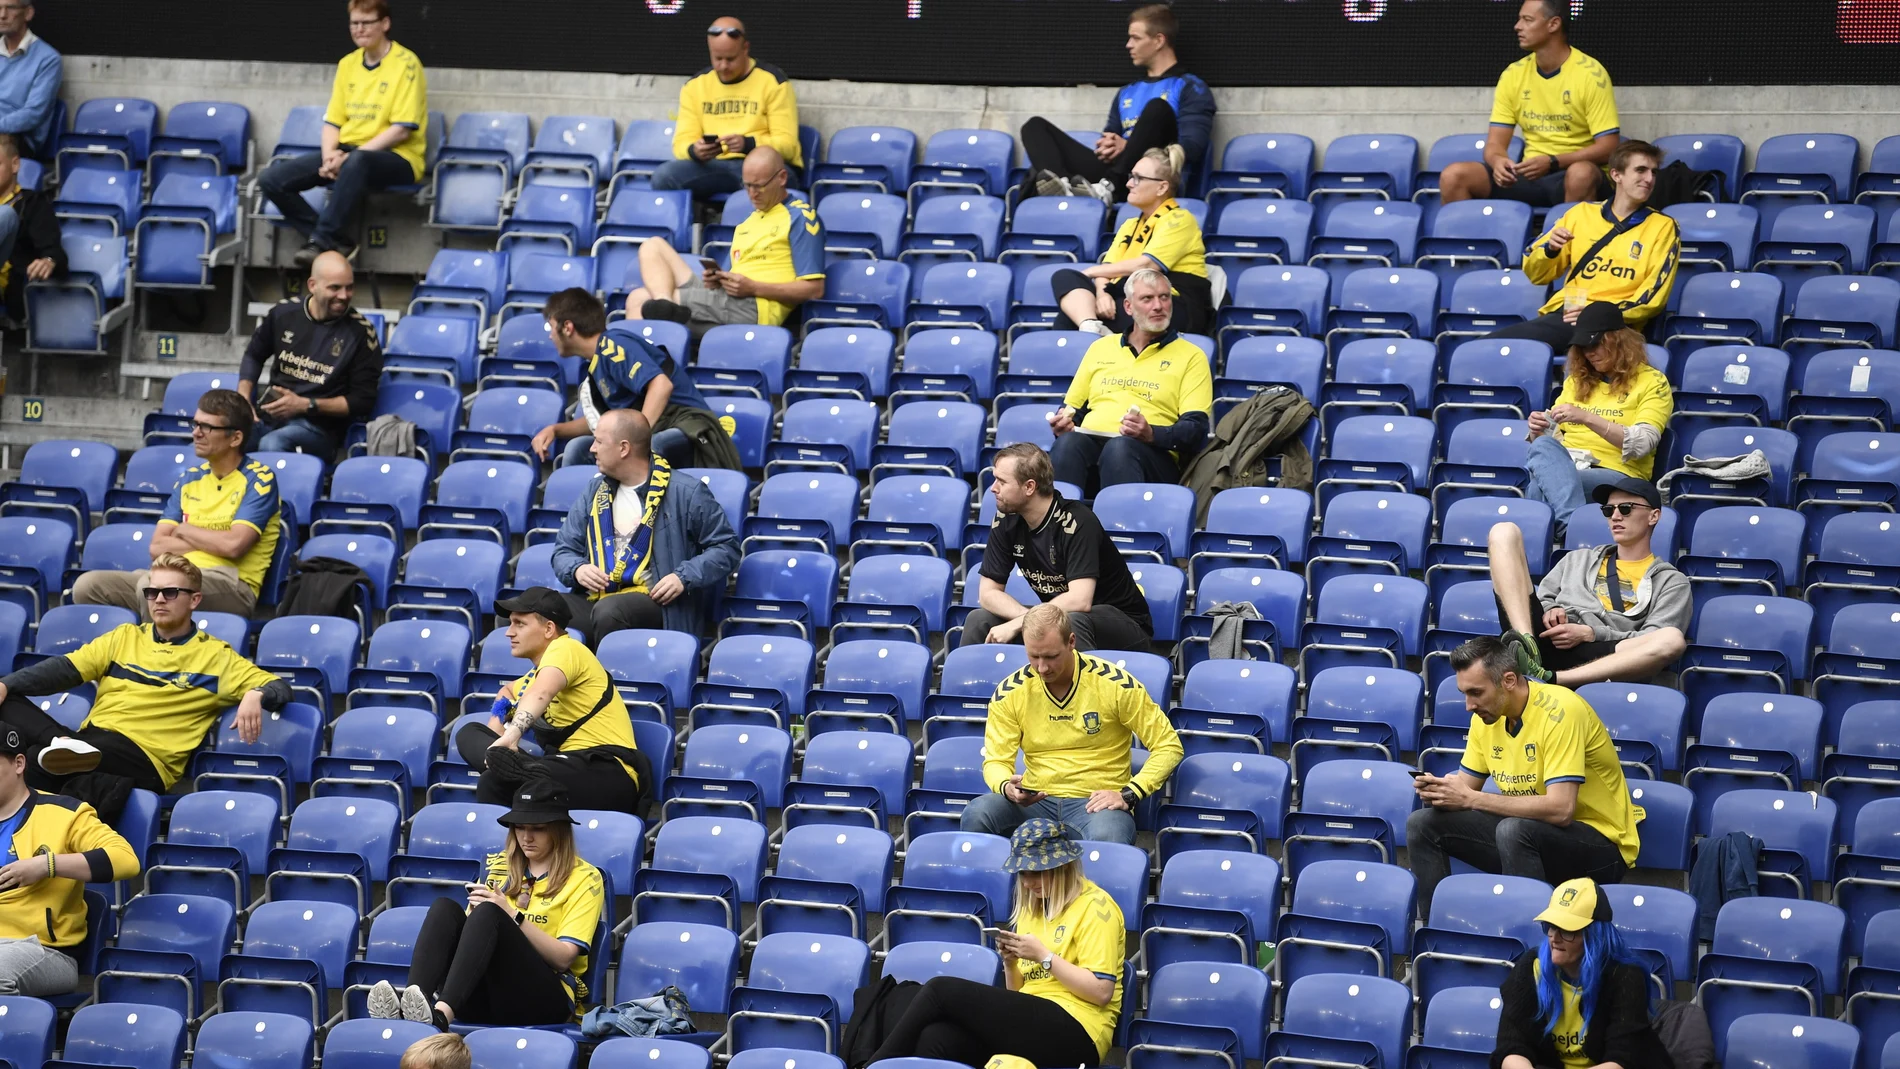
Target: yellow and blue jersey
x: 570, y: 916
x: 624, y: 364
x: 783, y: 243
x: 1563, y: 111
x: 163, y: 695
x: 248, y: 496
x: 365, y: 100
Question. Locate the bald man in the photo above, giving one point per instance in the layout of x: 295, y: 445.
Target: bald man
x: 778, y: 261
x: 732, y: 107
x: 317, y: 361
x: 642, y: 547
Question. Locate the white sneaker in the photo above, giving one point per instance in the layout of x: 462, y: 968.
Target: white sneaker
x: 1103, y: 191
x: 416, y: 1006
x: 383, y: 1003
x: 1094, y: 326
x: 68, y: 756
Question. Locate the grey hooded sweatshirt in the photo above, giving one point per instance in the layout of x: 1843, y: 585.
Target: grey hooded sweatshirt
x: 1662, y: 598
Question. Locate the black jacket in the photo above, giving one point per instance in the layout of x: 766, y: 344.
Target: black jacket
x: 38, y: 239
x: 1618, y: 1031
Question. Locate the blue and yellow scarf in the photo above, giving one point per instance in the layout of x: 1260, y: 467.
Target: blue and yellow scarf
x: 629, y: 572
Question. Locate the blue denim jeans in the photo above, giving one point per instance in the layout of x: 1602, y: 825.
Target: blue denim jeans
x: 295, y: 436
x: 1556, y: 480
x: 703, y: 180
x: 997, y: 815
x: 362, y: 171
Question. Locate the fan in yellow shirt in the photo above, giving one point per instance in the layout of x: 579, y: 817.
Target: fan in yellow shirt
x: 375, y: 135
x: 1562, y: 101
x: 1562, y: 809
x: 518, y: 953
x: 1062, y: 970
x: 732, y: 107
x: 1161, y: 234
x: 567, y: 704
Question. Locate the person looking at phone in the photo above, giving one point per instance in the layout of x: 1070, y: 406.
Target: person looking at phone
x: 160, y: 687
x: 1062, y: 971
x: 1562, y: 809
x: 1075, y: 719
x: 517, y: 952
x: 1574, y: 627
x: 320, y: 362
x: 735, y: 105
x: 224, y: 516
x: 1617, y: 250
x: 778, y: 261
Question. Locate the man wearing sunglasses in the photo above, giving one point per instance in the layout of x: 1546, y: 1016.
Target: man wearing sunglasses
x: 1579, y: 626
x: 732, y: 107
x: 223, y: 516
x: 160, y: 687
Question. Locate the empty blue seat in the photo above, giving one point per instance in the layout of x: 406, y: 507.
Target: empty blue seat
x: 1368, y: 1012
x: 1772, y: 1040
x: 133, y: 1035
x: 862, y: 225
x: 866, y: 157
x: 476, y: 169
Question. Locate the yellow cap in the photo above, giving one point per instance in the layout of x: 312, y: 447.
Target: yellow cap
x: 1009, y: 1061
x: 1575, y: 905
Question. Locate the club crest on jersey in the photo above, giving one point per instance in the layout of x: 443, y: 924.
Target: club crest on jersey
x: 1566, y: 96
x: 1092, y: 723
x: 1530, y: 751
x: 1636, y: 250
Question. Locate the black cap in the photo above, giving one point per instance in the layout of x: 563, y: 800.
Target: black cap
x: 1597, y: 319
x: 538, y: 600
x: 12, y: 743
x: 538, y: 801
x: 1629, y: 484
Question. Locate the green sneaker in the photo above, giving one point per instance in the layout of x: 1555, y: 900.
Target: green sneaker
x: 1524, y: 646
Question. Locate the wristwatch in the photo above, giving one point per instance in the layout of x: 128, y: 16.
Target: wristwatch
x: 1128, y: 798
x: 520, y: 916
x: 312, y: 406
x: 1047, y: 963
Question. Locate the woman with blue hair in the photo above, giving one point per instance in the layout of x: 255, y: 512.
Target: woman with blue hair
x: 1581, y: 999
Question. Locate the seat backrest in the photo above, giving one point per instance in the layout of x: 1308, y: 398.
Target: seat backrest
x: 889, y: 147
x: 1867, y: 299
x: 991, y: 150
x: 1829, y: 155
x: 1485, y: 904
x: 1287, y: 154
x: 1369, y: 1009
x: 456, y: 830
x: 1734, y: 225
x: 133, y: 1035
x: 1753, y: 622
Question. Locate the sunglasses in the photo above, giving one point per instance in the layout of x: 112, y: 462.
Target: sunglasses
x: 1622, y: 508
x: 733, y: 32
x: 1551, y: 931
x: 167, y: 593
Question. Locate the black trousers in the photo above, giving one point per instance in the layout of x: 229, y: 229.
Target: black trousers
x: 1548, y: 328
x: 598, y: 619
x: 1547, y: 653
x: 961, y: 1020
x: 1049, y: 148
x: 594, y: 780
x: 1103, y: 627
x: 1193, y: 309
x: 122, y: 765
x: 483, y: 966
x: 1093, y: 462
x: 1509, y: 846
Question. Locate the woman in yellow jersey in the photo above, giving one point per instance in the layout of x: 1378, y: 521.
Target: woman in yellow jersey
x: 518, y: 954
x: 1164, y: 235
x: 1608, y: 418
x: 1062, y: 966
x: 568, y: 704
x: 1580, y: 999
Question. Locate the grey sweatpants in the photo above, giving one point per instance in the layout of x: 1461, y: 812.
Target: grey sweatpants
x: 27, y: 968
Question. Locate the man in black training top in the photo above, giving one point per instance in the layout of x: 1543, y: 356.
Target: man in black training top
x: 1065, y: 555
x: 323, y: 361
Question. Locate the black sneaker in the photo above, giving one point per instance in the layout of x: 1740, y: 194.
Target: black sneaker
x: 658, y: 309
x: 306, y: 255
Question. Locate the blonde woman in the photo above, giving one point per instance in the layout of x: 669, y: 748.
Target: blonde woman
x: 1062, y: 967
x: 1608, y: 418
x: 1164, y: 236
x: 518, y: 954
